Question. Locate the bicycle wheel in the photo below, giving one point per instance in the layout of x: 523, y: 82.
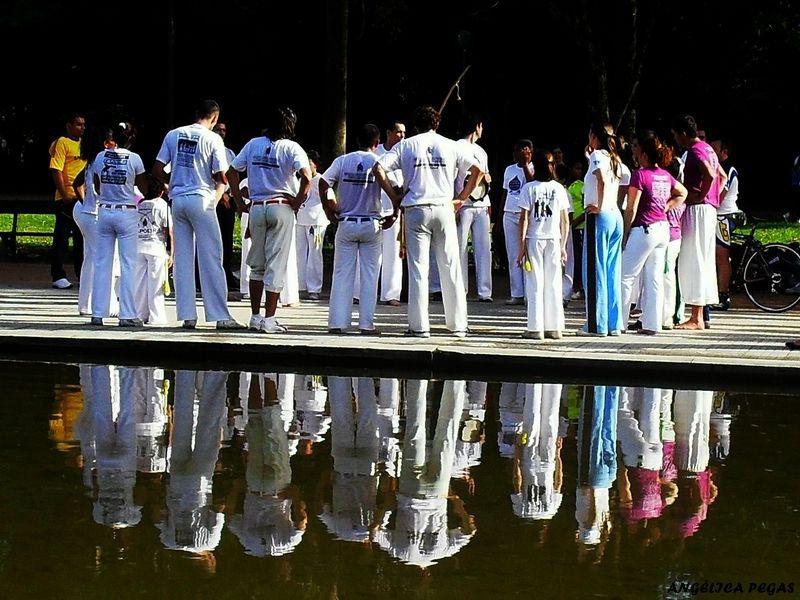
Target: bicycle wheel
x: 768, y: 273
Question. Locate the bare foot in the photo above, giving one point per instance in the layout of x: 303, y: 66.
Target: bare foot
x: 691, y: 326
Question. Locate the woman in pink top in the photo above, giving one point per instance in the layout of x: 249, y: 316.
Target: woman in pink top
x: 646, y: 230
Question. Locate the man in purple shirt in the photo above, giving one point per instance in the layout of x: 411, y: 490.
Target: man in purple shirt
x: 697, y: 271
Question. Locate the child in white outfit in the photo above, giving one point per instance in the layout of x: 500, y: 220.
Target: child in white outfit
x: 154, y: 260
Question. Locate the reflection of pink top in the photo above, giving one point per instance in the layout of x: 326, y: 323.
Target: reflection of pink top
x: 689, y: 526
x: 646, y: 493
x: 669, y: 472
x: 692, y: 175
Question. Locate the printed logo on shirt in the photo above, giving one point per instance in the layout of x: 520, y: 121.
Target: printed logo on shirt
x: 115, y: 168
x: 359, y: 177
x: 148, y: 228
x: 514, y: 186
x: 187, y: 148
x: 431, y: 161
x: 542, y: 203
x: 267, y: 161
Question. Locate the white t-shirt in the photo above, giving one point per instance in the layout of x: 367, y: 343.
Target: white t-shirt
x: 358, y: 192
x: 429, y: 162
x: 729, y: 202
x: 117, y: 169
x: 153, y: 225
x: 311, y: 211
x: 482, y: 160
x: 395, y: 178
x: 544, y: 201
x: 271, y: 167
x: 193, y: 154
x: 600, y: 161
x: 513, y: 180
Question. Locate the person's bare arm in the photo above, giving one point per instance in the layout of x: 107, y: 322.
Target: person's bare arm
x: 523, y: 232
x: 564, y: 235
x: 630, y: 212
x: 678, y: 196
x: 60, y: 182
x: 707, y: 173
x: 475, y: 175
x: 305, y: 185
x: 78, y: 184
x: 159, y: 172
x: 328, y: 200
x: 601, y: 187
x: 234, y: 182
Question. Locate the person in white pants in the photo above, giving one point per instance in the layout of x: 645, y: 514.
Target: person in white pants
x: 153, y: 259
x: 697, y: 269
x: 196, y: 159
x: 391, y: 259
x: 84, y: 213
x: 115, y: 174
x: 543, y: 227
x: 473, y: 216
x: 651, y: 193
x: 515, y: 176
x: 278, y: 176
x: 430, y: 163
x: 310, y: 233
x: 357, y: 208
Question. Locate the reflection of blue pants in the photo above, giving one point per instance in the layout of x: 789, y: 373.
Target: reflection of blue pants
x: 602, y: 272
x: 597, y: 436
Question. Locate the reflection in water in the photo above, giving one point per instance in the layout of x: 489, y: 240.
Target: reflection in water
x: 224, y: 449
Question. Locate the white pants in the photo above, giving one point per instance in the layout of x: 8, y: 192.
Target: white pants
x: 244, y: 268
x: 391, y: 263
x: 516, y: 275
x: 434, y: 227
x: 87, y: 223
x: 357, y: 245
x: 290, y: 294
x: 569, y: 269
x: 543, y: 286
x: 309, y: 256
x: 476, y: 219
x: 697, y: 268
x: 151, y: 272
x: 671, y: 283
x: 115, y: 228
x: 195, y: 219
x: 643, y: 259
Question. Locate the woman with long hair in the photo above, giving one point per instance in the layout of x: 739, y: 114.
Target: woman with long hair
x: 602, y: 248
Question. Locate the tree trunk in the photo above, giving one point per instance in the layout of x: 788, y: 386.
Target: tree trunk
x: 335, y: 125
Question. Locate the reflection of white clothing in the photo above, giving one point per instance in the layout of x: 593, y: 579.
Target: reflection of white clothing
x: 151, y: 421
x: 421, y: 535
x: 114, y: 396
x: 591, y: 513
x: 539, y: 498
x: 639, y: 427
x: 692, y: 414
x: 265, y: 527
x: 198, y: 420
x: 510, y: 404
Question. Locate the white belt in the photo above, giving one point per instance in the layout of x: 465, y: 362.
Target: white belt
x: 119, y: 206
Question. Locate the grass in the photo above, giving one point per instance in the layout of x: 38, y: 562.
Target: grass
x: 766, y: 231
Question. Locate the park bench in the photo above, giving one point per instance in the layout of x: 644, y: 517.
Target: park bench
x: 23, y: 205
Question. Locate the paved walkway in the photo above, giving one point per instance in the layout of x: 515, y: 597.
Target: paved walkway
x: 744, y: 349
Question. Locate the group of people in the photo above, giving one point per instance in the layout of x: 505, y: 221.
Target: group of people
x: 422, y: 198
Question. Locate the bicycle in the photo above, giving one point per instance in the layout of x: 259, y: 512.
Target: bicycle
x: 765, y: 272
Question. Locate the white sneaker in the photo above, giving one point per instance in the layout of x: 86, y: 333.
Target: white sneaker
x: 256, y: 322
x: 271, y: 325
x: 62, y: 284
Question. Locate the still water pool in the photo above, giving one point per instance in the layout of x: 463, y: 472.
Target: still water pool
x: 127, y: 482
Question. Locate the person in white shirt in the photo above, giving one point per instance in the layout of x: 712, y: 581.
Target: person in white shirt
x: 195, y: 157
x: 430, y: 163
x: 310, y: 233
x: 473, y: 216
x: 726, y: 222
x: 391, y: 253
x: 116, y: 172
x: 154, y: 260
x: 515, y: 176
x: 278, y: 176
x: 543, y: 227
x: 357, y: 208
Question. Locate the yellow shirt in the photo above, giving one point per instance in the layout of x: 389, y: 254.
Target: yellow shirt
x: 65, y: 156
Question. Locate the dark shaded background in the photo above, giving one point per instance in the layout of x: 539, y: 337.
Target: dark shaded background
x: 529, y: 76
